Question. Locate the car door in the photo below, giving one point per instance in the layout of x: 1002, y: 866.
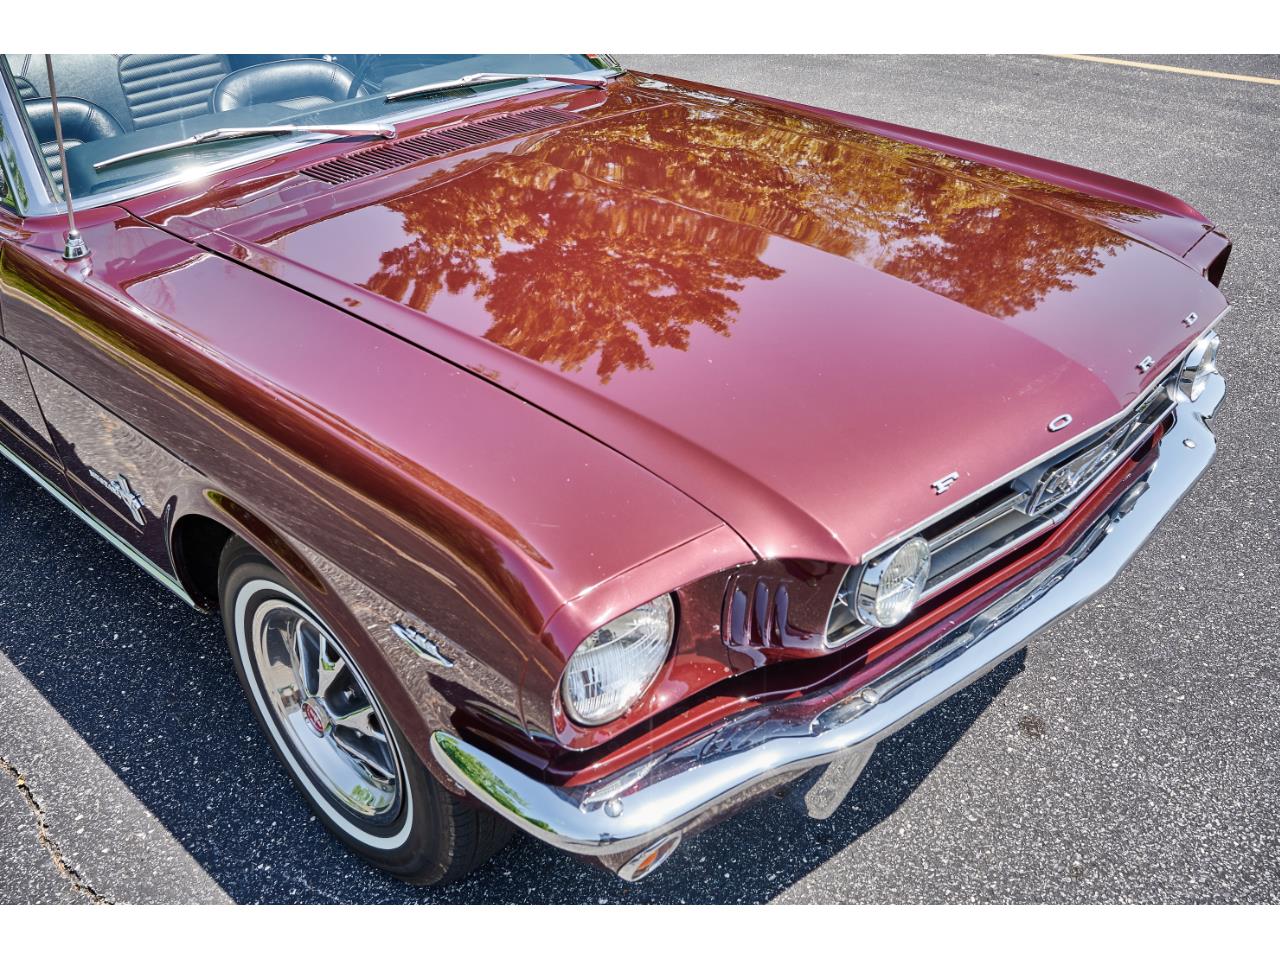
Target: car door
x: 61, y: 381
x: 24, y: 437
x: 121, y: 480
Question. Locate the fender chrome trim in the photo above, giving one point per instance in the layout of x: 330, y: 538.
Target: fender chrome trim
x: 699, y: 780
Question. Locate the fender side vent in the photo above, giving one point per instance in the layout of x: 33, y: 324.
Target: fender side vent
x: 437, y: 143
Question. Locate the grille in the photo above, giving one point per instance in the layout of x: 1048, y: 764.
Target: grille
x: 1012, y: 515
x: 437, y: 143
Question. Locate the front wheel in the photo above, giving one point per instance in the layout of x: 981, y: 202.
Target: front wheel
x: 336, y: 740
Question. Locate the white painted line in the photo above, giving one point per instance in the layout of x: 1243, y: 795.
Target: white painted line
x: 1168, y: 69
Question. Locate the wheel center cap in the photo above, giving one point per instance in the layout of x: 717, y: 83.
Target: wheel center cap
x: 316, y: 717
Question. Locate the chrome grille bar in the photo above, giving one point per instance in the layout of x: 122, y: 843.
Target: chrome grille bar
x: 1006, y: 526
x: 1012, y: 502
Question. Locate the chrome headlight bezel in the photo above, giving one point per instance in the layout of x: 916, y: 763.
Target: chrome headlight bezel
x: 594, y: 689
x: 1199, y: 365
x: 869, y: 598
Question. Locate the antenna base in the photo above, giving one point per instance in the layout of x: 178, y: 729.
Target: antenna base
x: 74, y: 247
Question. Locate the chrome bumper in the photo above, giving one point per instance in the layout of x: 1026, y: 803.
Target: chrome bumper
x: 632, y: 820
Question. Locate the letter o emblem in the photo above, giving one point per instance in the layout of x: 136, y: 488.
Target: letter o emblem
x: 1058, y: 422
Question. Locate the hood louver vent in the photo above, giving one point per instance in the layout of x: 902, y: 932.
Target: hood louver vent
x: 437, y: 143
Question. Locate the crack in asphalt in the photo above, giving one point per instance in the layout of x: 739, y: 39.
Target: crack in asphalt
x: 72, y: 875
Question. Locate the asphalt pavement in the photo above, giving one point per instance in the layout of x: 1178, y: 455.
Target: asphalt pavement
x: 1131, y: 755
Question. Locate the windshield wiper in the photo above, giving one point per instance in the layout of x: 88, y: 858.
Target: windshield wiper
x: 472, y: 79
x: 236, y: 133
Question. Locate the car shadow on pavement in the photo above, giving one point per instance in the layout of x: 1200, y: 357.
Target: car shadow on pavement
x: 148, y: 684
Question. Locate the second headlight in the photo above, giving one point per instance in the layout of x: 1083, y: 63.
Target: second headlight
x: 892, y: 583
x: 1194, y: 374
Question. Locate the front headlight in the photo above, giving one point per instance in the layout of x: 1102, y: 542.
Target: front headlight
x: 891, y: 584
x: 1200, y: 364
x: 615, y: 665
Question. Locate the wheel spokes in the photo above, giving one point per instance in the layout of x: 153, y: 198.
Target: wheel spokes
x: 326, y: 710
x: 315, y: 662
x: 368, y: 752
x: 328, y: 667
x: 303, y: 655
x: 362, y: 721
x: 358, y: 733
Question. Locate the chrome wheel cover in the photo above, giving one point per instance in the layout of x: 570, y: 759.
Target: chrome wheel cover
x: 324, y: 708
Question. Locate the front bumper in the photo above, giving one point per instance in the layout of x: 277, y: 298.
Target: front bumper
x: 634, y: 819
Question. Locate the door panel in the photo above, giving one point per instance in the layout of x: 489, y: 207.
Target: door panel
x: 62, y: 374
x: 120, y: 476
x: 80, y: 373
x: 22, y: 428
x: 18, y: 409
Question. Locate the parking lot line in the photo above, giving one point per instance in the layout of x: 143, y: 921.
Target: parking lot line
x: 1168, y: 69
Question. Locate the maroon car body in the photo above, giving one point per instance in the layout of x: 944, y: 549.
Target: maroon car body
x: 658, y: 337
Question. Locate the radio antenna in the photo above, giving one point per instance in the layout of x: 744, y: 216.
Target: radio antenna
x: 73, y: 246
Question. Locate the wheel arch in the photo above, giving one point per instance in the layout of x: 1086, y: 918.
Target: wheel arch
x: 198, y: 535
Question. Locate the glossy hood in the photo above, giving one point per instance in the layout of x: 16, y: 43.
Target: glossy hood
x: 798, y: 322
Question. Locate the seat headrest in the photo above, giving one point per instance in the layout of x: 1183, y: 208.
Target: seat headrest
x: 300, y: 83
x: 81, y: 120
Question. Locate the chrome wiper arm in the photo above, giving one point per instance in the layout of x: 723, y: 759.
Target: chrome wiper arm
x: 471, y: 79
x: 236, y: 133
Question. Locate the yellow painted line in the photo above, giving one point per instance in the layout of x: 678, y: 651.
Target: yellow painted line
x: 1168, y: 69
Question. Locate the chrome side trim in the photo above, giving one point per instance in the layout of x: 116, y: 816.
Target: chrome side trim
x: 105, y: 532
x: 1048, y: 454
x: 708, y: 776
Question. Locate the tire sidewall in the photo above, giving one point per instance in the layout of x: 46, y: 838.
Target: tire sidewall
x: 411, y: 840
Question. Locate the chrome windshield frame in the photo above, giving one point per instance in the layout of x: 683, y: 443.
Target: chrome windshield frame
x: 25, y: 174
x: 31, y: 172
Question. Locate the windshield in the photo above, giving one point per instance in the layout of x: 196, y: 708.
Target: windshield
x: 132, y: 121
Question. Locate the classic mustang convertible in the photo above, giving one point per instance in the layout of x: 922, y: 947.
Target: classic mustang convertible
x: 579, y: 451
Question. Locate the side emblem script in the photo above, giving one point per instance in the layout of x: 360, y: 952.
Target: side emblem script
x: 943, y: 484
x: 1058, y: 422
x: 120, y: 488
